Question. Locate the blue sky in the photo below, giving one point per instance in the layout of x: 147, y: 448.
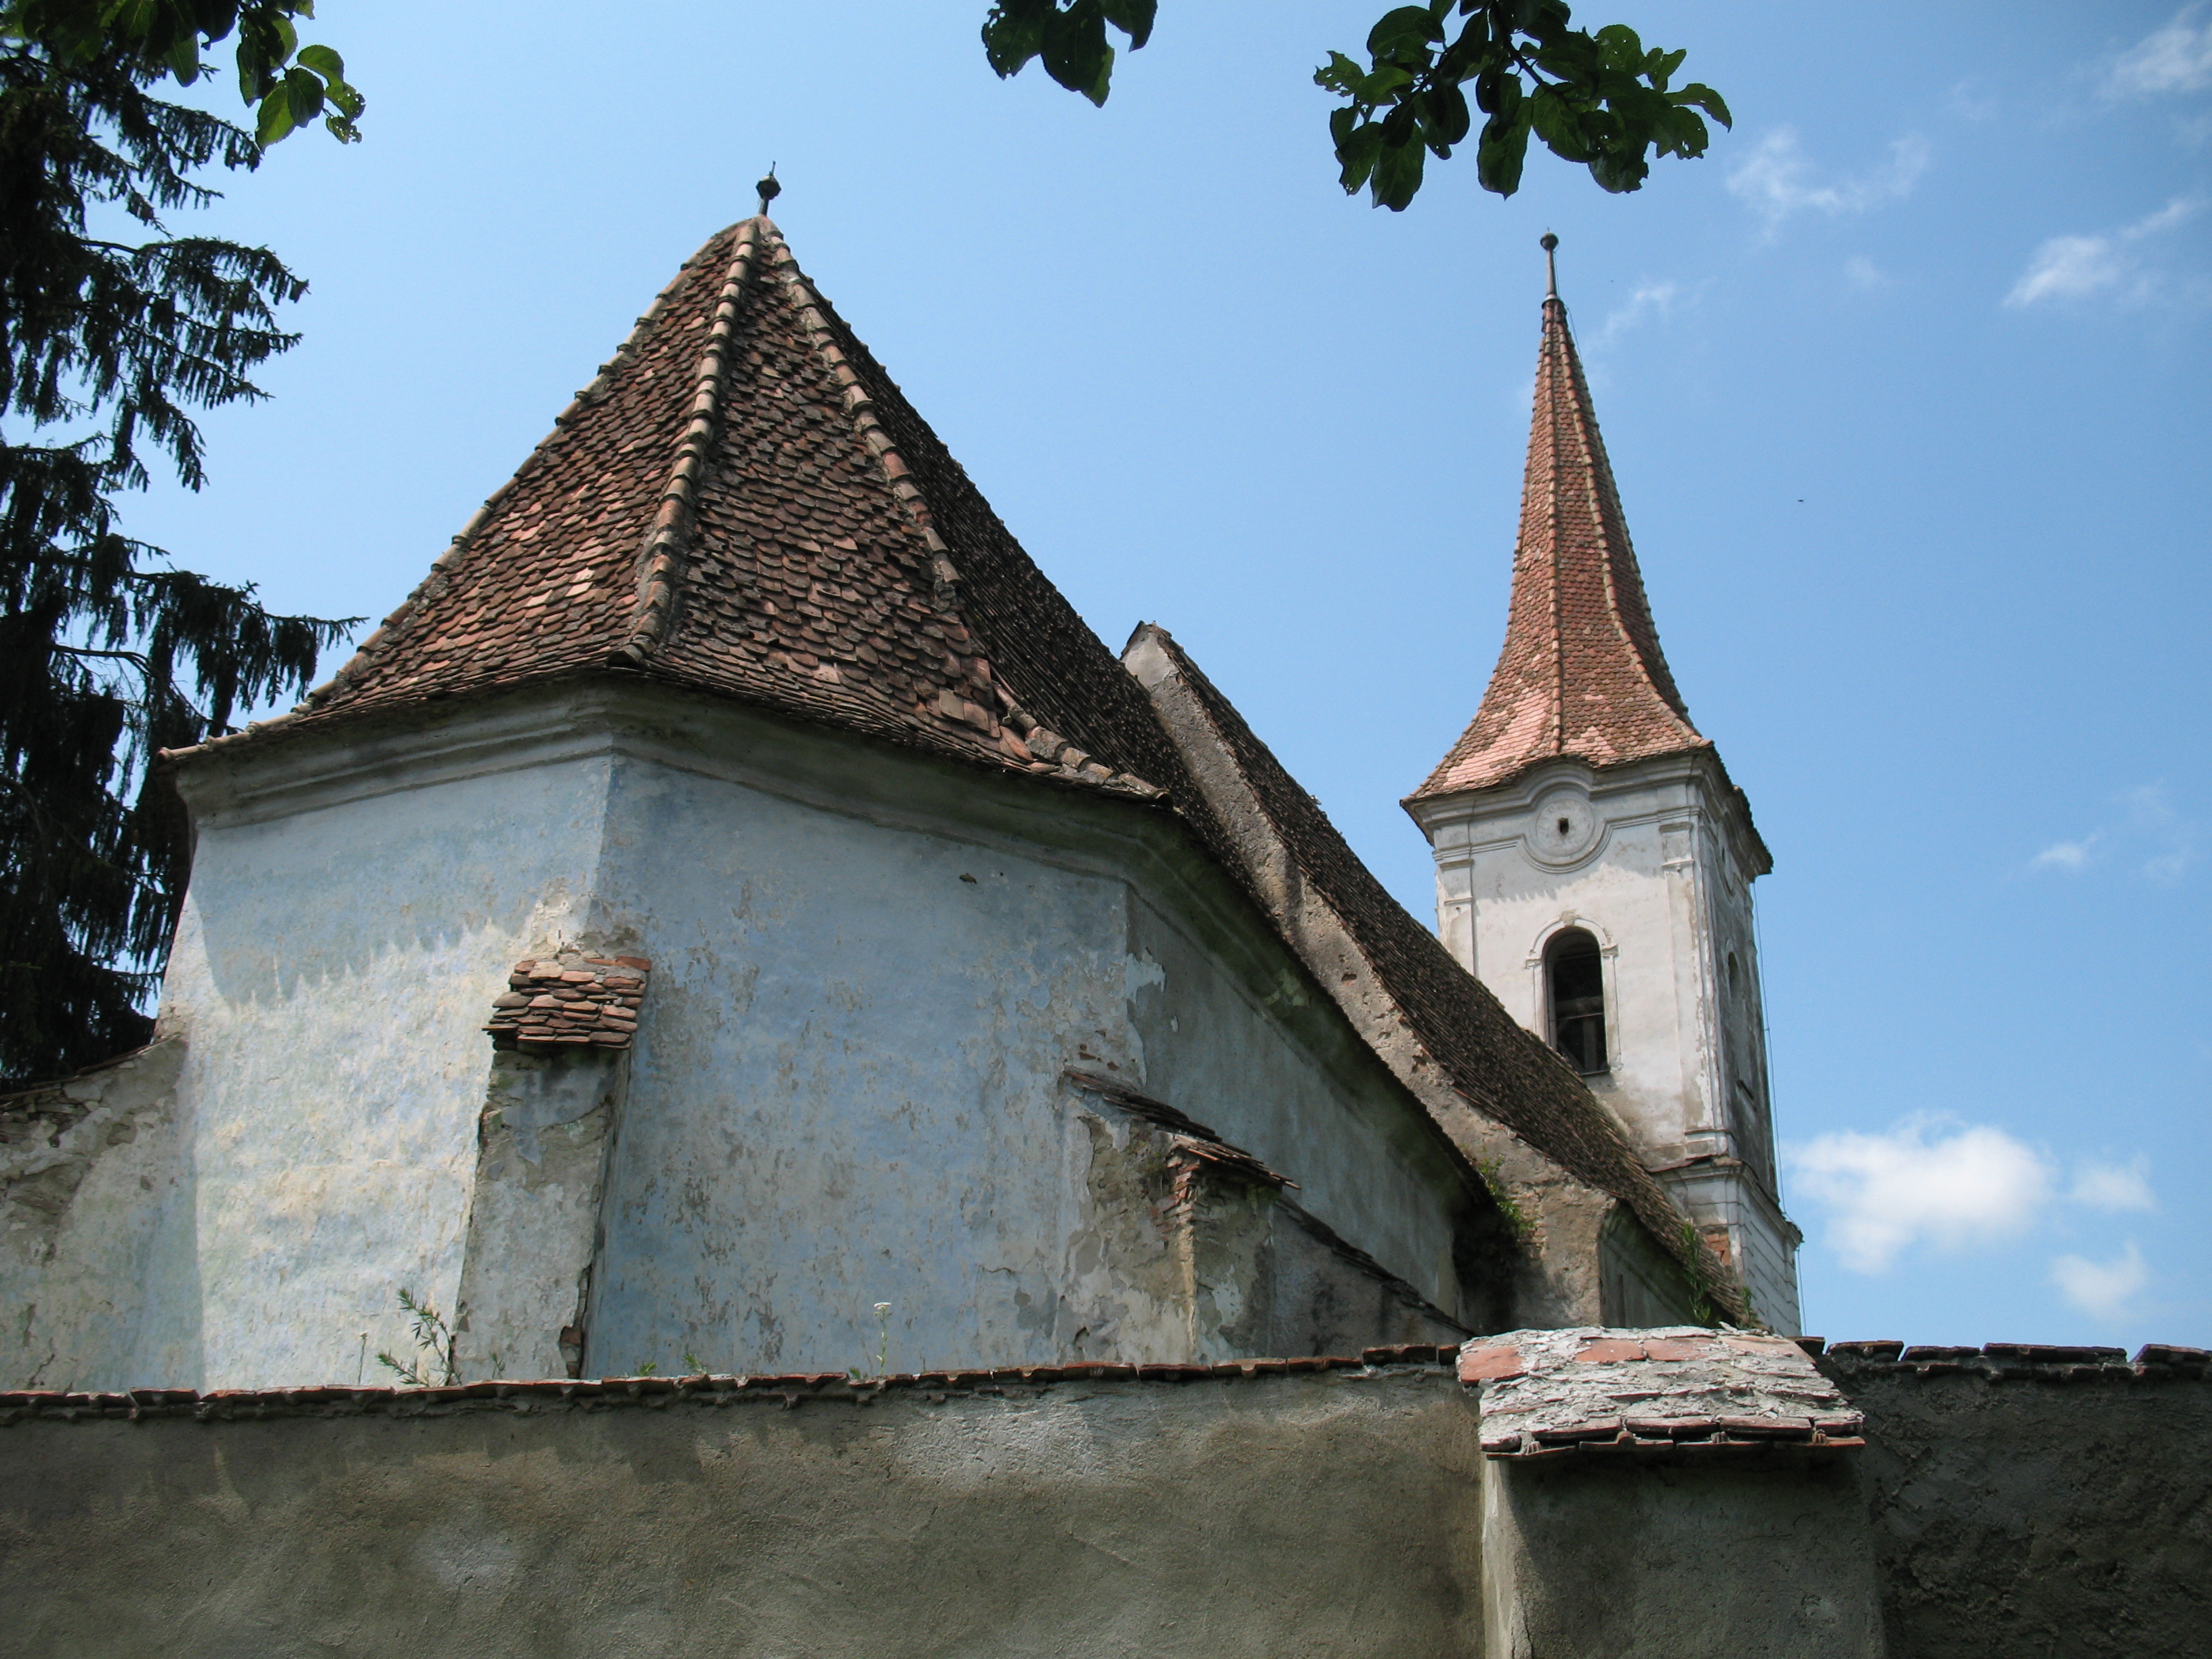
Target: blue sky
x: 1905, y: 386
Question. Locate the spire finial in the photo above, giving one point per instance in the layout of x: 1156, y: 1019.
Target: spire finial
x: 769, y: 190
x: 1549, y: 242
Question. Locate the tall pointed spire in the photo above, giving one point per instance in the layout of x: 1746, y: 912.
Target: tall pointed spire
x: 1581, y: 673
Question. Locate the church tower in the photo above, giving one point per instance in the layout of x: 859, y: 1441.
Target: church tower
x: 1594, y: 861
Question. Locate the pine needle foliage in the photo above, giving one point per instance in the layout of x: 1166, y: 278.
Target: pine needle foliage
x: 109, y: 340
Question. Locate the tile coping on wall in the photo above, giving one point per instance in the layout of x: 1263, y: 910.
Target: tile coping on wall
x: 2047, y: 1362
x: 1997, y: 1362
x: 790, y: 1389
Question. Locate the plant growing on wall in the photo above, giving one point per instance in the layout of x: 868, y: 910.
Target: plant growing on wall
x: 883, y: 1345
x: 432, y: 1367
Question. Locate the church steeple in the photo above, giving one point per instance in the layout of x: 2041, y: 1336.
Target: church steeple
x: 1594, y: 861
x: 1581, y: 673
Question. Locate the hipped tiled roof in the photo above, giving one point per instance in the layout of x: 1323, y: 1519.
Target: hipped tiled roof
x: 742, y: 503
x: 1581, y: 673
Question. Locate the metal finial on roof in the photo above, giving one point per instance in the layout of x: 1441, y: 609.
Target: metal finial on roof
x: 1548, y: 242
x: 769, y: 190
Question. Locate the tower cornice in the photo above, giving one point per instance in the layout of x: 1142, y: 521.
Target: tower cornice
x: 1698, y: 768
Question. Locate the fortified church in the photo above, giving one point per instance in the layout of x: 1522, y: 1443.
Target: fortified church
x: 735, y: 917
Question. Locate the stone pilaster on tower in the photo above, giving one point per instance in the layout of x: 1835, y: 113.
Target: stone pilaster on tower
x: 1594, y: 861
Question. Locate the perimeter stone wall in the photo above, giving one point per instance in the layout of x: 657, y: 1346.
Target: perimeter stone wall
x: 2013, y: 1501
x: 2029, y: 1501
x: 1322, y: 1513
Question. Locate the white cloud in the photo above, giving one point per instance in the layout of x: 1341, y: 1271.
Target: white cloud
x: 2168, y: 866
x: 1887, y: 1192
x: 2114, y: 1186
x: 2166, y: 218
x: 2101, y: 1289
x: 2066, y: 855
x: 1649, y: 299
x: 1970, y: 103
x: 1776, y: 180
x: 1864, y: 274
x: 1948, y: 1187
x: 2151, y: 815
x: 2076, y: 267
x: 2175, y: 59
x: 2151, y: 835
x: 2069, y: 268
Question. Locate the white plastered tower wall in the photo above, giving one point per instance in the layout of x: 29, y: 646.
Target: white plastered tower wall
x: 1656, y: 865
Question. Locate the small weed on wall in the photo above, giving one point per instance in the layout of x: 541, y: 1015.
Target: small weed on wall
x: 433, y: 1365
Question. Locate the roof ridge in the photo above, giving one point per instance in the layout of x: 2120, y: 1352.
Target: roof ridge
x: 1030, y: 734
x: 1604, y: 493
x: 662, y: 559
x: 1558, y: 529
x: 859, y: 404
x: 590, y: 394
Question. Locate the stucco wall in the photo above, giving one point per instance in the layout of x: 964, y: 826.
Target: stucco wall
x: 871, y: 973
x: 874, y: 969
x: 2037, y: 1509
x: 2002, y: 1506
x: 94, y: 1194
x: 331, y: 979
x: 1766, y: 1558
x: 1655, y: 865
x: 1328, y: 1515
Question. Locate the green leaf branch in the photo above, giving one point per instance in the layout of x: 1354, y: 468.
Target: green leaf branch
x: 1603, y: 99
x: 1070, y: 38
x: 288, y: 85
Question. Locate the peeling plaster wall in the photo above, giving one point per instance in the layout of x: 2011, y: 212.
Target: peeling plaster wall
x: 871, y: 972
x: 350, y: 917
x: 95, y: 1200
x: 1182, y: 1259
x: 542, y: 1142
x: 847, y: 1089
x: 1233, y: 1034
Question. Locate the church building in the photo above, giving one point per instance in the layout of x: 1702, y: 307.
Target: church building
x: 735, y: 916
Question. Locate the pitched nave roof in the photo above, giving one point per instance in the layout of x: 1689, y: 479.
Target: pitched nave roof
x: 1581, y: 673
x: 1389, y: 973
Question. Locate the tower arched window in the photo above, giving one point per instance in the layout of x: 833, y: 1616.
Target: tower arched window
x: 1574, y: 980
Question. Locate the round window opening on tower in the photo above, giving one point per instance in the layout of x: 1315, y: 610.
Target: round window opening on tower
x: 1574, y: 976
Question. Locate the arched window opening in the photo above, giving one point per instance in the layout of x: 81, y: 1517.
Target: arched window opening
x: 1574, y: 975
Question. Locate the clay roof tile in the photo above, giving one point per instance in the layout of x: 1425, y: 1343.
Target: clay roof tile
x: 1581, y: 673
x: 742, y: 443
